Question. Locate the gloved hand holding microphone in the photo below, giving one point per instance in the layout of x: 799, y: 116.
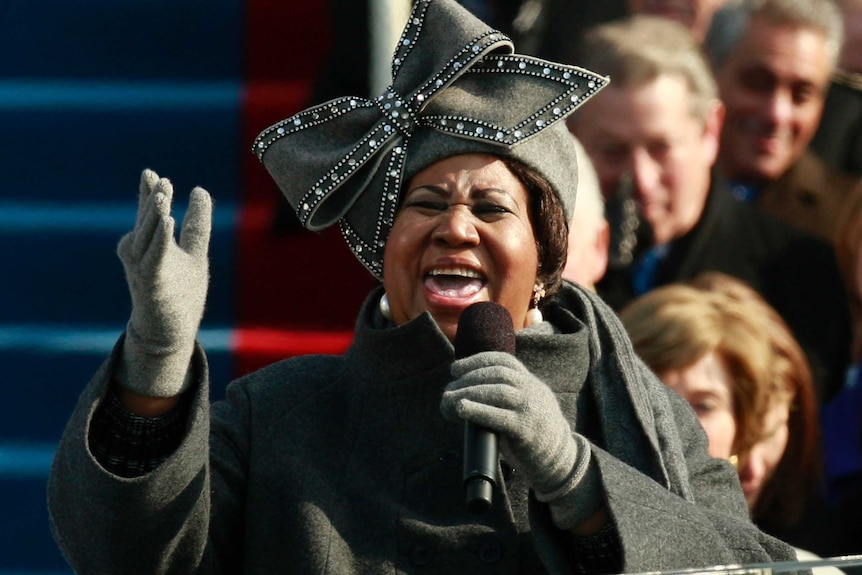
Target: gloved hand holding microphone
x: 496, y: 391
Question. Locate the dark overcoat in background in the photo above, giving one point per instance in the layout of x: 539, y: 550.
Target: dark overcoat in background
x: 795, y: 272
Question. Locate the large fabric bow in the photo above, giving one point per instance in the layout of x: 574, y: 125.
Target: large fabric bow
x: 344, y: 160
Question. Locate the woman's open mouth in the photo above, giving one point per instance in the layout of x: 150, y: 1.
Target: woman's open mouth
x: 456, y: 283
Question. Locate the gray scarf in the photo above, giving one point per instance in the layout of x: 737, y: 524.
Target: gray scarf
x: 639, y: 427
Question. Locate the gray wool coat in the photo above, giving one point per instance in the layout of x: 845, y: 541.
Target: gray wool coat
x: 344, y: 464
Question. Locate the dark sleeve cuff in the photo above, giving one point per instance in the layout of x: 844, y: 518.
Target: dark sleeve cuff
x: 599, y: 553
x: 129, y: 445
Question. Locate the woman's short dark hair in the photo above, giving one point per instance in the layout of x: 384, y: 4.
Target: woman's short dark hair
x: 550, y: 226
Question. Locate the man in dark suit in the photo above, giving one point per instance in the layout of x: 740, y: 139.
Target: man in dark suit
x: 656, y: 130
x: 773, y: 61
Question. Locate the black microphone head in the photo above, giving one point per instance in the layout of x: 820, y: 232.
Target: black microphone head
x: 484, y: 326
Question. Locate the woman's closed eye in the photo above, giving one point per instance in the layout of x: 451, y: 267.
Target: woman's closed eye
x: 489, y: 211
x: 427, y: 205
x: 485, y: 210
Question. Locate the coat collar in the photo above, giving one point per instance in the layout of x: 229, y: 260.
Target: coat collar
x: 399, y: 352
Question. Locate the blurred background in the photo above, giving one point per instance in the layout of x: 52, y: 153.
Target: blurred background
x: 92, y: 92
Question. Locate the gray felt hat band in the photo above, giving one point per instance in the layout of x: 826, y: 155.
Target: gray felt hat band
x: 457, y: 88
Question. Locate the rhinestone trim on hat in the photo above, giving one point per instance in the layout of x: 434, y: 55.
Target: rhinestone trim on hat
x: 306, y: 119
x: 371, y: 253
x: 461, y: 63
x: 397, y: 111
x: 409, y: 35
x: 366, y: 148
x: 581, y: 86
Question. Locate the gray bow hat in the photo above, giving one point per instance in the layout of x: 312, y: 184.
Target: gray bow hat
x: 457, y: 88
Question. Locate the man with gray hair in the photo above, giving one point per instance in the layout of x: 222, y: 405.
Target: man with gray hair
x: 773, y: 60
x: 655, y: 132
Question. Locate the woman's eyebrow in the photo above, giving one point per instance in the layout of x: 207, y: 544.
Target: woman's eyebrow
x: 445, y: 192
x: 491, y: 191
x: 433, y: 188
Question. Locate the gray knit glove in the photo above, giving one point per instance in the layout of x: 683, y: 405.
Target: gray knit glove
x: 494, y: 390
x: 168, y: 285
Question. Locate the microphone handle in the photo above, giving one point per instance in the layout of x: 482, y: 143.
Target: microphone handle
x: 480, y: 466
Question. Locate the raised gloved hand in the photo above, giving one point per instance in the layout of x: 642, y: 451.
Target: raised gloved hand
x: 494, y: 390
x: 168, y: 285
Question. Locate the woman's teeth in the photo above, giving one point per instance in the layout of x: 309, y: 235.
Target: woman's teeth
x: 454, y: 282
x: 463, y: 272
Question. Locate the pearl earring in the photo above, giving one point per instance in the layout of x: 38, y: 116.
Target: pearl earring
x: 385, y: 311
x: 534, y: 315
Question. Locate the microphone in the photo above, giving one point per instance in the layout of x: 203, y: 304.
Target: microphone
x: 484, y: 326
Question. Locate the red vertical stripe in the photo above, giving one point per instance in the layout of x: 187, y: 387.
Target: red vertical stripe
x: 299, y: 282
